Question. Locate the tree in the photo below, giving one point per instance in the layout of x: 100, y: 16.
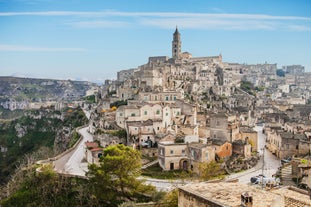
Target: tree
x: 115, y: 179
x: 171, y: 198
x: 210, y: 170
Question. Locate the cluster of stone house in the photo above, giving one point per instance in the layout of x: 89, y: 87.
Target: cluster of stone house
x: 225, y: 138
x: 288, y: 141
x: 143, y: 120
x: 198, y: 100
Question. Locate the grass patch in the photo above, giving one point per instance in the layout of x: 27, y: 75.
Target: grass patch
x: 156, y: 171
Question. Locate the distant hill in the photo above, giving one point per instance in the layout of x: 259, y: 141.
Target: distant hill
x: 16, y: 93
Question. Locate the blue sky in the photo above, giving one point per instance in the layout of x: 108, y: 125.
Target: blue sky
x: 93, y: 39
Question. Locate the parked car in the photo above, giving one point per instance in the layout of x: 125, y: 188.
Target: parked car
x: 256, y: 179
x: 265, y: 180
x: 286, y: 160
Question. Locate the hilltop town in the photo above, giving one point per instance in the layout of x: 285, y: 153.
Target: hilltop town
x: 186, y: 113
x: 182, y: 111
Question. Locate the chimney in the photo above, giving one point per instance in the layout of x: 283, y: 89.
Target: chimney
x: 246, y: 199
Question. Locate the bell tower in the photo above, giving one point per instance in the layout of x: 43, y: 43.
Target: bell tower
x: 176, y: 44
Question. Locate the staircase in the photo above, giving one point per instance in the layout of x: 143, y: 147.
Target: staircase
x: 286, y: 175
x: 149, y: 164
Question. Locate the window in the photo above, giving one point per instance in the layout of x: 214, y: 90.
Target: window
x: 166, y: 98
x: 135, y: 128
x: 192, y: 153
x: 121, y: 114
x: 172, y: 151
x: 206, y: 155
x: 217, y: 123
x: 145, y: 112
x: 177, y: 113
x: 174, y: 98
x: 133, y: 114
x: 183, y: 151
x: 156, y: 98
x: 166, y: 114
x: 158, y: 128
x: 158, y: 112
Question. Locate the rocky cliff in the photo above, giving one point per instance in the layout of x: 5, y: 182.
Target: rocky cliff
x: 19, y: 93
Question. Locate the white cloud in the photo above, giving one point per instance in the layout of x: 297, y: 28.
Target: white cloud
x: 100, y: 24
x: 299, y: 27
x: 211, y: 21
x: 210, y: 24
x: 154, y: 14
x: 19, y: 48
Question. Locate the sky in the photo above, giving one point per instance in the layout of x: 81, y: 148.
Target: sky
x: 93, y: 39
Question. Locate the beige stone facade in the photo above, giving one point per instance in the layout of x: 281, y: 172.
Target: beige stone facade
x: 174, y: 156
x: 247, y: 133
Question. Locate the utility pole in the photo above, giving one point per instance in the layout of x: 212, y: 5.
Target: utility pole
x: 263, y: 165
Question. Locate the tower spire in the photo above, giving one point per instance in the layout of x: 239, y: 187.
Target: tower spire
x: 176, y: 44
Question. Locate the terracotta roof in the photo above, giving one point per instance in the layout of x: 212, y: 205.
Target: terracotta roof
x: 91, y: 144
x: 96, y: 149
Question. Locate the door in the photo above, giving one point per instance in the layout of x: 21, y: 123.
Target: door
x: 171, y: 166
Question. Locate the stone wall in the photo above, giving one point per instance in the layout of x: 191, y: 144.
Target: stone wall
x: 186, y: 199
x: 291, y: 202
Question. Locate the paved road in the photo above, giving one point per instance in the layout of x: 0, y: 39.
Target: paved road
x: 271, y: 162
x: 73, y: 162
x: 165, y: 185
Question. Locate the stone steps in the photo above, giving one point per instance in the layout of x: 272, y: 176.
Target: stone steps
x: 149, y: 164
x: 286, y: 175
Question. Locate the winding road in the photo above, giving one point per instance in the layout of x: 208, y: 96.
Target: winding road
x: 73, y: 162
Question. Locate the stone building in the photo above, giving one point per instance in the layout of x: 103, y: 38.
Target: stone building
x: 243, y: 148
x: 224, y: 127
x: 93, y: 152
x: 223, y: 149
x: 249, y: 135
x: 234, y: 194
x: 143, y: 132
x: 287, y: 144
x: 219, y: 127
x: 184, y: 156
x: 172, y: 156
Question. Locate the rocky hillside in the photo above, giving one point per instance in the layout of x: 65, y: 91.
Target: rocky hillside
x: 18, y: 93
x: 45, y: 130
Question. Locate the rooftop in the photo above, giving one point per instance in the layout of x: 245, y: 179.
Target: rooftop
x: 91, y: 144
x: 229, y: 194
